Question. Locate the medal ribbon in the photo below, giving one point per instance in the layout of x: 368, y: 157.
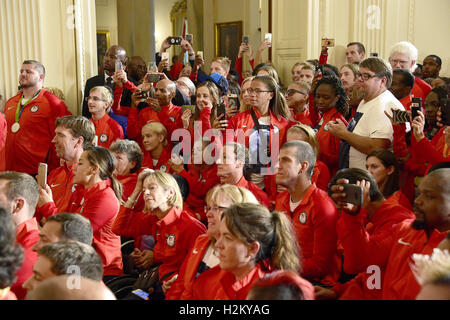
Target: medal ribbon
x: 20, y: 108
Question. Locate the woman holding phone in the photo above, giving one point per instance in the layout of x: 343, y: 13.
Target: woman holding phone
x: 173, y: 229
x: 96, y: 197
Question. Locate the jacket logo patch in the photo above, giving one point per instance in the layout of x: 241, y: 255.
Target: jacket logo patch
x: 302, y: 218
x: 171, y: 240
x: 34, y: 109
x: 163, y: 168
x: 104, y: 137
x: 172, y: 118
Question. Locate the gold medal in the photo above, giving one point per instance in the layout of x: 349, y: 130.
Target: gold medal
x: 15, y: 127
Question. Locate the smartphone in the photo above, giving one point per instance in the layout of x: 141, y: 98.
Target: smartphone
x: 200, y: 53
x: 245, y: 39
x: 42, y: 174
x: 190, y: 38
x: 153, y: 77
x: 141, y: 294
x: 328, y: 43
x: 174, y: 41
x: 416, y: 106
x: 190, y: 107
x: 353, y: 194
x: 145, y: 94
x: 118, y: 66
x: 400, y: 116
x: 374, y: 54
x: 445, y: 110
x: 268, y: 38
x: 221, y: 111
x: 233, y: 100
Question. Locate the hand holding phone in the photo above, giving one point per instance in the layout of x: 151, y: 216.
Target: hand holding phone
x: 327, y: 43
x: 416, y: 106
x: 118, y: 65
x: 268, y: 39
x: 174, y: 41
x: 400, y: 116
x: 353, y: 194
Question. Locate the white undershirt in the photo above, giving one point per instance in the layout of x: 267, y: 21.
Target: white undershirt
x: 293, y: 205
x: 210, y: 258
x: 155, y: 162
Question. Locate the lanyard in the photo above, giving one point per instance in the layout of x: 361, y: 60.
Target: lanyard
x: 20, y: 108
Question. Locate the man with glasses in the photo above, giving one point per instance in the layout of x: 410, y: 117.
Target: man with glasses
x: 186, y: 89
x: 297, y: 100
x: 404, y: 56
x: 369, y: 129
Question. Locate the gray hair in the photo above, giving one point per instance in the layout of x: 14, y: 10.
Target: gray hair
x: 74, y: 227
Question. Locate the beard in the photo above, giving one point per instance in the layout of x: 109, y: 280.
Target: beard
x: 419, y: 225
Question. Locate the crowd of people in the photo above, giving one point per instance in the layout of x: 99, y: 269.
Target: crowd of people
x: 177, y: 184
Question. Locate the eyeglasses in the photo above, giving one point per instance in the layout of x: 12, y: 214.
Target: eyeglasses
x: 217, y: 208
x: 365, y: 76
x: 256, y: 91
x: 291, y: 92
x: 95, y: 99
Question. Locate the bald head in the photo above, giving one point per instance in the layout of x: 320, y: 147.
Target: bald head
x: 113, y: 54
x: 441, y: 177
x: 67, y: 287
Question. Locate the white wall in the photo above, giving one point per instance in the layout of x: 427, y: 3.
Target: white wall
x: 106, y: 18
x: 163, y: 25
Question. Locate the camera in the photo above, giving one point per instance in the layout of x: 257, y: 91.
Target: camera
x: 174, y: 41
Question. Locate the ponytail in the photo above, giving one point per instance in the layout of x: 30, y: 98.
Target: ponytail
x: 285, y: 250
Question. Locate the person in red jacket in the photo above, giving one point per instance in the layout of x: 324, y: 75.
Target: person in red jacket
x: 157, y: 148
x: 378, y: 215
x: 12, y: 255
x: 31, y: 116
x: 129, y: 162
x: 262, y: 129
x: 311, y: 211
x: 201, y: 176
x: 252, y: 242
x: 403, y: 55
x: 73, y: 134
x: 230, y: 170
x: 330, y: 100
x: 96, y: 197
x: 173, y: 229
x: 107, y: 129
x: 19, y: 195
x: 159, y: 109
x: 297, y: 96
x: 393, y: 251
x: 203, y: 255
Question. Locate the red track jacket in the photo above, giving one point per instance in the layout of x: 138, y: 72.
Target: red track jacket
x: 107, y: 130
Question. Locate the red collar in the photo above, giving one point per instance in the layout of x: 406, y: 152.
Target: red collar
x: 171, y: 217
x: 25, y: 227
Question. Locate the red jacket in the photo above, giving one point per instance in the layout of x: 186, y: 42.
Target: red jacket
x: 314, y: 222
x: 227, y: 288
x: 431, y: 152
x: 321, y: 176
x: 128, y: 182
x: 107, y: 130
x: 174, y: 234
x: 27, y: 234
x: 420, y: 89
x: 389, y: 214
x: 238, y: 67
x: 303, y: 117
x: 329, y: 144
x: 181, y: 289
x: 100, y: 205
x: 118, y: 90
x: 162, y: 161
x: 32, y: 144
x: 200, y: 182
x: 260, y: 195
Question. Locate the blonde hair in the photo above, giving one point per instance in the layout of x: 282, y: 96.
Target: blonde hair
x: 57, y: 92
x: 166, y: 181
x: 273, y: 231
x: 429, y: 269
x: 244, y: 107
x: 234, y: 193
x: 224, y: 62
x: 310, y: 135
x: 159, y: 129
x: 106, y: 94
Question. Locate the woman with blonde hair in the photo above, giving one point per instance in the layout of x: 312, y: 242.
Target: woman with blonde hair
x: 107, y: 129
x: 244, y: 97
x: 252, y: 243
x: 174, y: 230
x: 157, y: 149
x: 203, y: 255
